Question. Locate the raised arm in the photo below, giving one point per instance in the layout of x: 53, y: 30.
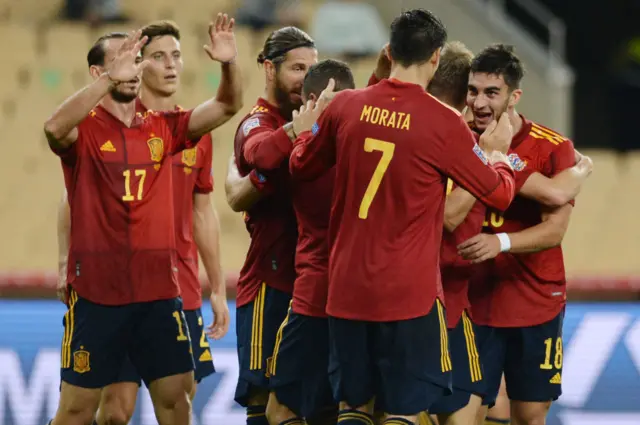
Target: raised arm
x: 228, y: 101
x: 206, y: 234
x: 64, y: 233
x: 61, y: 128
x: 466, y: 163
x: 561, y: 188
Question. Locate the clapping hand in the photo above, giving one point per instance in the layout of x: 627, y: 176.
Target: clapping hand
x: 222, y: 46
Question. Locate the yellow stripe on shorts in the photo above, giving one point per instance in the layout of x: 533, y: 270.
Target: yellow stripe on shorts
x: 276, y: 347
x: 472, y: 348
x: 69, y: 323
x: 445, y: 359
x: 255, y: 362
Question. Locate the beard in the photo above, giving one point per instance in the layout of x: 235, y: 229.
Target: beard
x: 121, y: 97
x: 283, y: 97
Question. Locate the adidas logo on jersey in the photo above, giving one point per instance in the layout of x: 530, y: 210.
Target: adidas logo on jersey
x: 556, y: 379
x: 108, y: 147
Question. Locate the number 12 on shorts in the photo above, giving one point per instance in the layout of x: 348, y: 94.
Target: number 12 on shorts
x: 549, y: 353
x: 387, y: 149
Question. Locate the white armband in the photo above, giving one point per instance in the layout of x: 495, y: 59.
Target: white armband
x: 505, y: 242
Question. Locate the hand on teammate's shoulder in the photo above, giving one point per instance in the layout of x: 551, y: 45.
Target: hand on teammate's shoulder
x: 498, y: 135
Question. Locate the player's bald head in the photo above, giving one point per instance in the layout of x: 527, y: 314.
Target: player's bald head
x: 449, y: 84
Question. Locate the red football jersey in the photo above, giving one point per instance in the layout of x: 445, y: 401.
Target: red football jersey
x: 517, y: 290
x: 391, y: 144
x: 271, y: 222
x: 312, y: 204
x: 456, y: 271
x: 118, y: 178
x: 191, y: 174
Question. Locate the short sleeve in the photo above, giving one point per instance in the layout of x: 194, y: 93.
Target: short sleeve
x: 178, y: 124
x: 204, y: 182
x: 68, y: 155
x: 563, y: 157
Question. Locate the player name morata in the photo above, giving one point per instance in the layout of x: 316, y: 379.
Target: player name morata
x: 385, y: 117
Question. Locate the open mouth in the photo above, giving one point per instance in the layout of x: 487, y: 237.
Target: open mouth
x: 483, y: 116
x: 171, y: 78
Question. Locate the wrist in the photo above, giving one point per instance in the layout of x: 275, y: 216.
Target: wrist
x: 110, y: 82
x: 291, y: 132
x: 505, y: 242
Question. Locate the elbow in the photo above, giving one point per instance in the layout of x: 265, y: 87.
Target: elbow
x: 234, y: 204
x: 556, y: 198
x: 233, y: 107
x: 53, y: 130
x: 451, y: 221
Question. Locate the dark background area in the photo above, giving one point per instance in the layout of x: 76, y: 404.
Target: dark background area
x: 603, y: 47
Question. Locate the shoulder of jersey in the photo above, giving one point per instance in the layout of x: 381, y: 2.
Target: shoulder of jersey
x: 545, y: 134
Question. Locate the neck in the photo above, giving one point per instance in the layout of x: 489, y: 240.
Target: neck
x: 270, y: 97
x: 156, y: 102
x: 125, y: 112
x: 414, y: 74
x: 516, y: 121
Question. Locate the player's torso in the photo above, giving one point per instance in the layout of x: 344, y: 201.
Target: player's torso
x: 387, y: 197
x: 121, y: 207
x: 521, y: 289
x: 312, y: 205
x: 186, y: 166
x: 271, y: 222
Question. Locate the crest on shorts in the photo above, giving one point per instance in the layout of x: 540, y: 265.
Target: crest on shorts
x: 156, y: 148
x: 516, y: 162
x: 81, y: 361
x: 189, y: 157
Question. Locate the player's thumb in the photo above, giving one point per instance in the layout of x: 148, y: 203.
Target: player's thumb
x: 491, y: 127
x: 208, y: 51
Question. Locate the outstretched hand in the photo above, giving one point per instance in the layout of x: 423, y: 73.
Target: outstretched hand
x: 126, y: 66
x: 222, y: 40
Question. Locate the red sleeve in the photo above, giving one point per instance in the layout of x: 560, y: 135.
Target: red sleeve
x: 69, y: 154
x: 563, y: 157
x: 373, y: 80
x: 178, y: 123
x: 465, y: 162
x: 314, y: 152
x: 204, y: 182
x: 264, y: 147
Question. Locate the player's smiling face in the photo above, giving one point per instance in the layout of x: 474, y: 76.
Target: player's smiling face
x: 162, y: 75
x: 125, y: 92
x: 290, y: 76
x: 488, y: 96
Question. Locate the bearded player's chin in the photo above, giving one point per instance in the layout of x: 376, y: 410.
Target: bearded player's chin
x: 124, y: 97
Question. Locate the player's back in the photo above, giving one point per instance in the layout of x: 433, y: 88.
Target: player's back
x: 387, y: 212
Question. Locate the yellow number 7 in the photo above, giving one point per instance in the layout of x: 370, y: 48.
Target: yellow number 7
x: 127, y: 184
x: 387, y: 149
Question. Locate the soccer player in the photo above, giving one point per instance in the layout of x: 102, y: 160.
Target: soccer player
x: 262, y: 144
x: 519, y: 296
x: 123, y: 295
x: 391, y: 144
x: 194, y: 217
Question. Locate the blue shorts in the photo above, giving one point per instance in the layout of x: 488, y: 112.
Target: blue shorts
x: 98, y: 339
x: 404, y: 364
x: 467, y: 370
x: 200, y: 349
x: 257, y: 324
x: 530, y: 357
x: 299, y: 367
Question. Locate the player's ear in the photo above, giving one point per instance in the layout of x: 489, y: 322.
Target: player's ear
x: 96, y: 71
x: 312, y: 97
x: 270, y: 69
x: 387, y: 51
x: 514, y: 97
x: 435, y: 58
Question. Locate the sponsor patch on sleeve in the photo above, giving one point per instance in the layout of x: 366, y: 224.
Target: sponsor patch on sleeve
x: 249, y: 125
x: 517, y: 163
x: 480, y: 154
x: 261, y: 177
x: 315, y: 128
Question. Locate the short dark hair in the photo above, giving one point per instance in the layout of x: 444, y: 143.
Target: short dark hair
x: 415, y: 36
x: 96, y: 53
x: 319, y: 75
x: 281, y: 41
x: 159, y: 29
x: 500, y: 60
x: 451, y: 80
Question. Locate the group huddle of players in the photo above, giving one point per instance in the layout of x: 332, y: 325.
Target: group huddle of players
x: 405, y: 243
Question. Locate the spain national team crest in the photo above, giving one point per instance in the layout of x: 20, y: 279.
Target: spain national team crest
x: 156, y: 149
x: 81, y: 361
x: 517, y: 163
x: 189, y: 158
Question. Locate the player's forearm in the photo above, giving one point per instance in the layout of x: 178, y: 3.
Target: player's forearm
x: 547, y: 234
x: 241, y: 193
x: 501, y: 196
x: 456, y: 207
x: 75, y: 109
x: 206, y: 233
x: 217, y: 111
x: 268, y: 150
x: 569, y: 182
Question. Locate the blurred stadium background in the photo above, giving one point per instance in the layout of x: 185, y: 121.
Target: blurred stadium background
x: 583, y: 62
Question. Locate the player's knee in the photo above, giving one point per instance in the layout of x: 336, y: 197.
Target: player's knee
x: 113, y: 416
x: 172, y: 392
x: 276, y: 412
x: 77, y: 406
x: 523, y: 413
